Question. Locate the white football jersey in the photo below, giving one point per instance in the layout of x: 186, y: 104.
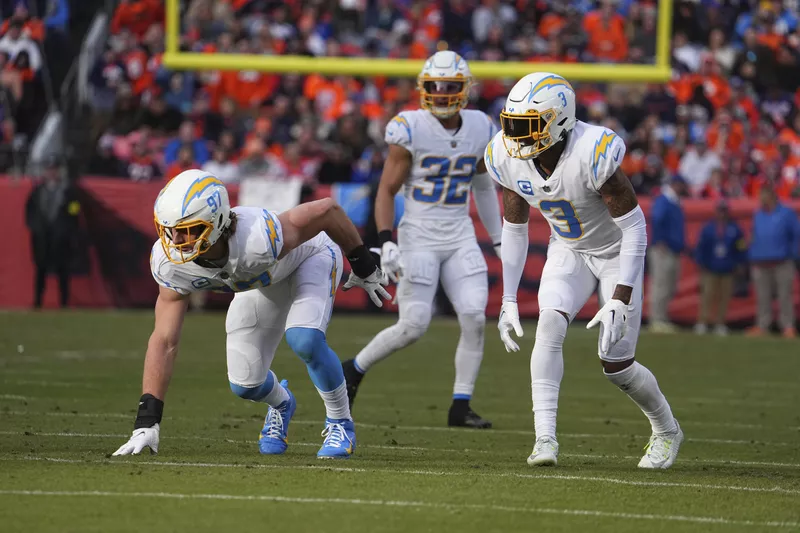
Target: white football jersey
x: 437, y: 191
x: 253, y: 262
x: 569, y: 199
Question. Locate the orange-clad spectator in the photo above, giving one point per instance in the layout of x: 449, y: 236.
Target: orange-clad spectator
x: 142, y: 165
x: 672, y: 159
x: 403, y: 92
x: 765, y: 143
x: 764, y: 22
x: 754, y: 184
x: 18, y: 47
x: 606, y: 32
x: 249, y: 88
x: 254, y: 163
x: 137, y: 16
x: 429, y: 20
x: 791, y: 136
x: 329, y: 96
x: 292, y: 166
x: 790, y: 172
x: 211, y: 80
x: 551, y: 24
x: 262, y: 128
x: 715, y: 188
x: 555, y: 53
x: 715, y: 86
x: 32, y: 27
x: 136, y: 68
x: 184, y: 162
x: 724, y: 133
x: 633, y: 163
x: 742, y: 103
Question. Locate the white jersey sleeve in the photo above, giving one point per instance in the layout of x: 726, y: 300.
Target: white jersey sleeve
x: 494, y: 157
x: 607, y: 154
x: 166, y: 274
x: 398, y: 131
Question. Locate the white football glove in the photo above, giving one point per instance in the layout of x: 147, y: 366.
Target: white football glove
x: 390, y: 261
x: 142, y: 438
x: 508, y: 322
x: 374, y: 285
x: 613, y: 320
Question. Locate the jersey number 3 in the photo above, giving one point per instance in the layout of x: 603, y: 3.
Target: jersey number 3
x: 446, y: 188
x: 563, y: 211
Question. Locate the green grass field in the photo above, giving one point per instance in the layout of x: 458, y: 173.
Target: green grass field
x: 70, y: 382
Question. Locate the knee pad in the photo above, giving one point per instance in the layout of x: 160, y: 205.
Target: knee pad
x: 415, y: 320
x: 552, y: 328
x: 472, y: 324
x: 257, y: 393
x: 305, y: 342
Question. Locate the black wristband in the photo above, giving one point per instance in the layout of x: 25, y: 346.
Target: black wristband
x: 150, y: 411
x: 384, y: 236
x: 361, y: 262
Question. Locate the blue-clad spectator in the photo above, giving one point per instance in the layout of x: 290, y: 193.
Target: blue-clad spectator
x: 663, y: 254
x: 57, y: 15
x: 775, y: 244
x: 720, y: 251
x: 186, y: 137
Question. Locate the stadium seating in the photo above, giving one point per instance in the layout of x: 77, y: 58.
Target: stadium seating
x: 732, y: 102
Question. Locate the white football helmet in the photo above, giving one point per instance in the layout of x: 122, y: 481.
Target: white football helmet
x: 539, y: 111
x: 444, y: 84
x: 191, y: 213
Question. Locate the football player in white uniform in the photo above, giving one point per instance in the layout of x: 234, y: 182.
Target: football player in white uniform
x: 569, y: 171
x: 283, y: 270
x: 436, y: 156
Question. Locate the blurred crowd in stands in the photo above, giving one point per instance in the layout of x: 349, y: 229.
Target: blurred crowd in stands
x: 27, y: 27
x: 727, y: 123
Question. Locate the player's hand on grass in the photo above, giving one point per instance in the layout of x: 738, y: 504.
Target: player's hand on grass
x: 374, y: 285
x: 142, y: 438
x: 613, y: 320
x: 390, y: 261
x: 508, y: 322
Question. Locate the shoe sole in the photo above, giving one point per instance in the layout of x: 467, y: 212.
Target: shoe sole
x: 543, y: 460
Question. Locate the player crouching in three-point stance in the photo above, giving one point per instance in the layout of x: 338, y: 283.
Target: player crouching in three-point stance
x: 284, y: 270
x: 435, y: 155
x: 569, y: 171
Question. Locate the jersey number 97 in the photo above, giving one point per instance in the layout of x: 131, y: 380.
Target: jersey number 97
x: 447, y: 188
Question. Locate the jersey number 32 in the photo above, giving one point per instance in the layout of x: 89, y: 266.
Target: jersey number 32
x: 443, y: 186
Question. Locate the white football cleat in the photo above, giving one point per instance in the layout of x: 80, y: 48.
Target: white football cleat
x: 545, y: 452
x: 662, y: 450
x: 721, y: 330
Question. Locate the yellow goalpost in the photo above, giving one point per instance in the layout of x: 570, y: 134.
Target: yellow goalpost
x: 660, y: 71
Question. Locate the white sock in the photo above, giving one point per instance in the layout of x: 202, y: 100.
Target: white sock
x: 277, y: 396
x: 547, y: 370
x: 469, y: 353
x: 386, y: 343
x: 641, y: 386
x: 336, y: 404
